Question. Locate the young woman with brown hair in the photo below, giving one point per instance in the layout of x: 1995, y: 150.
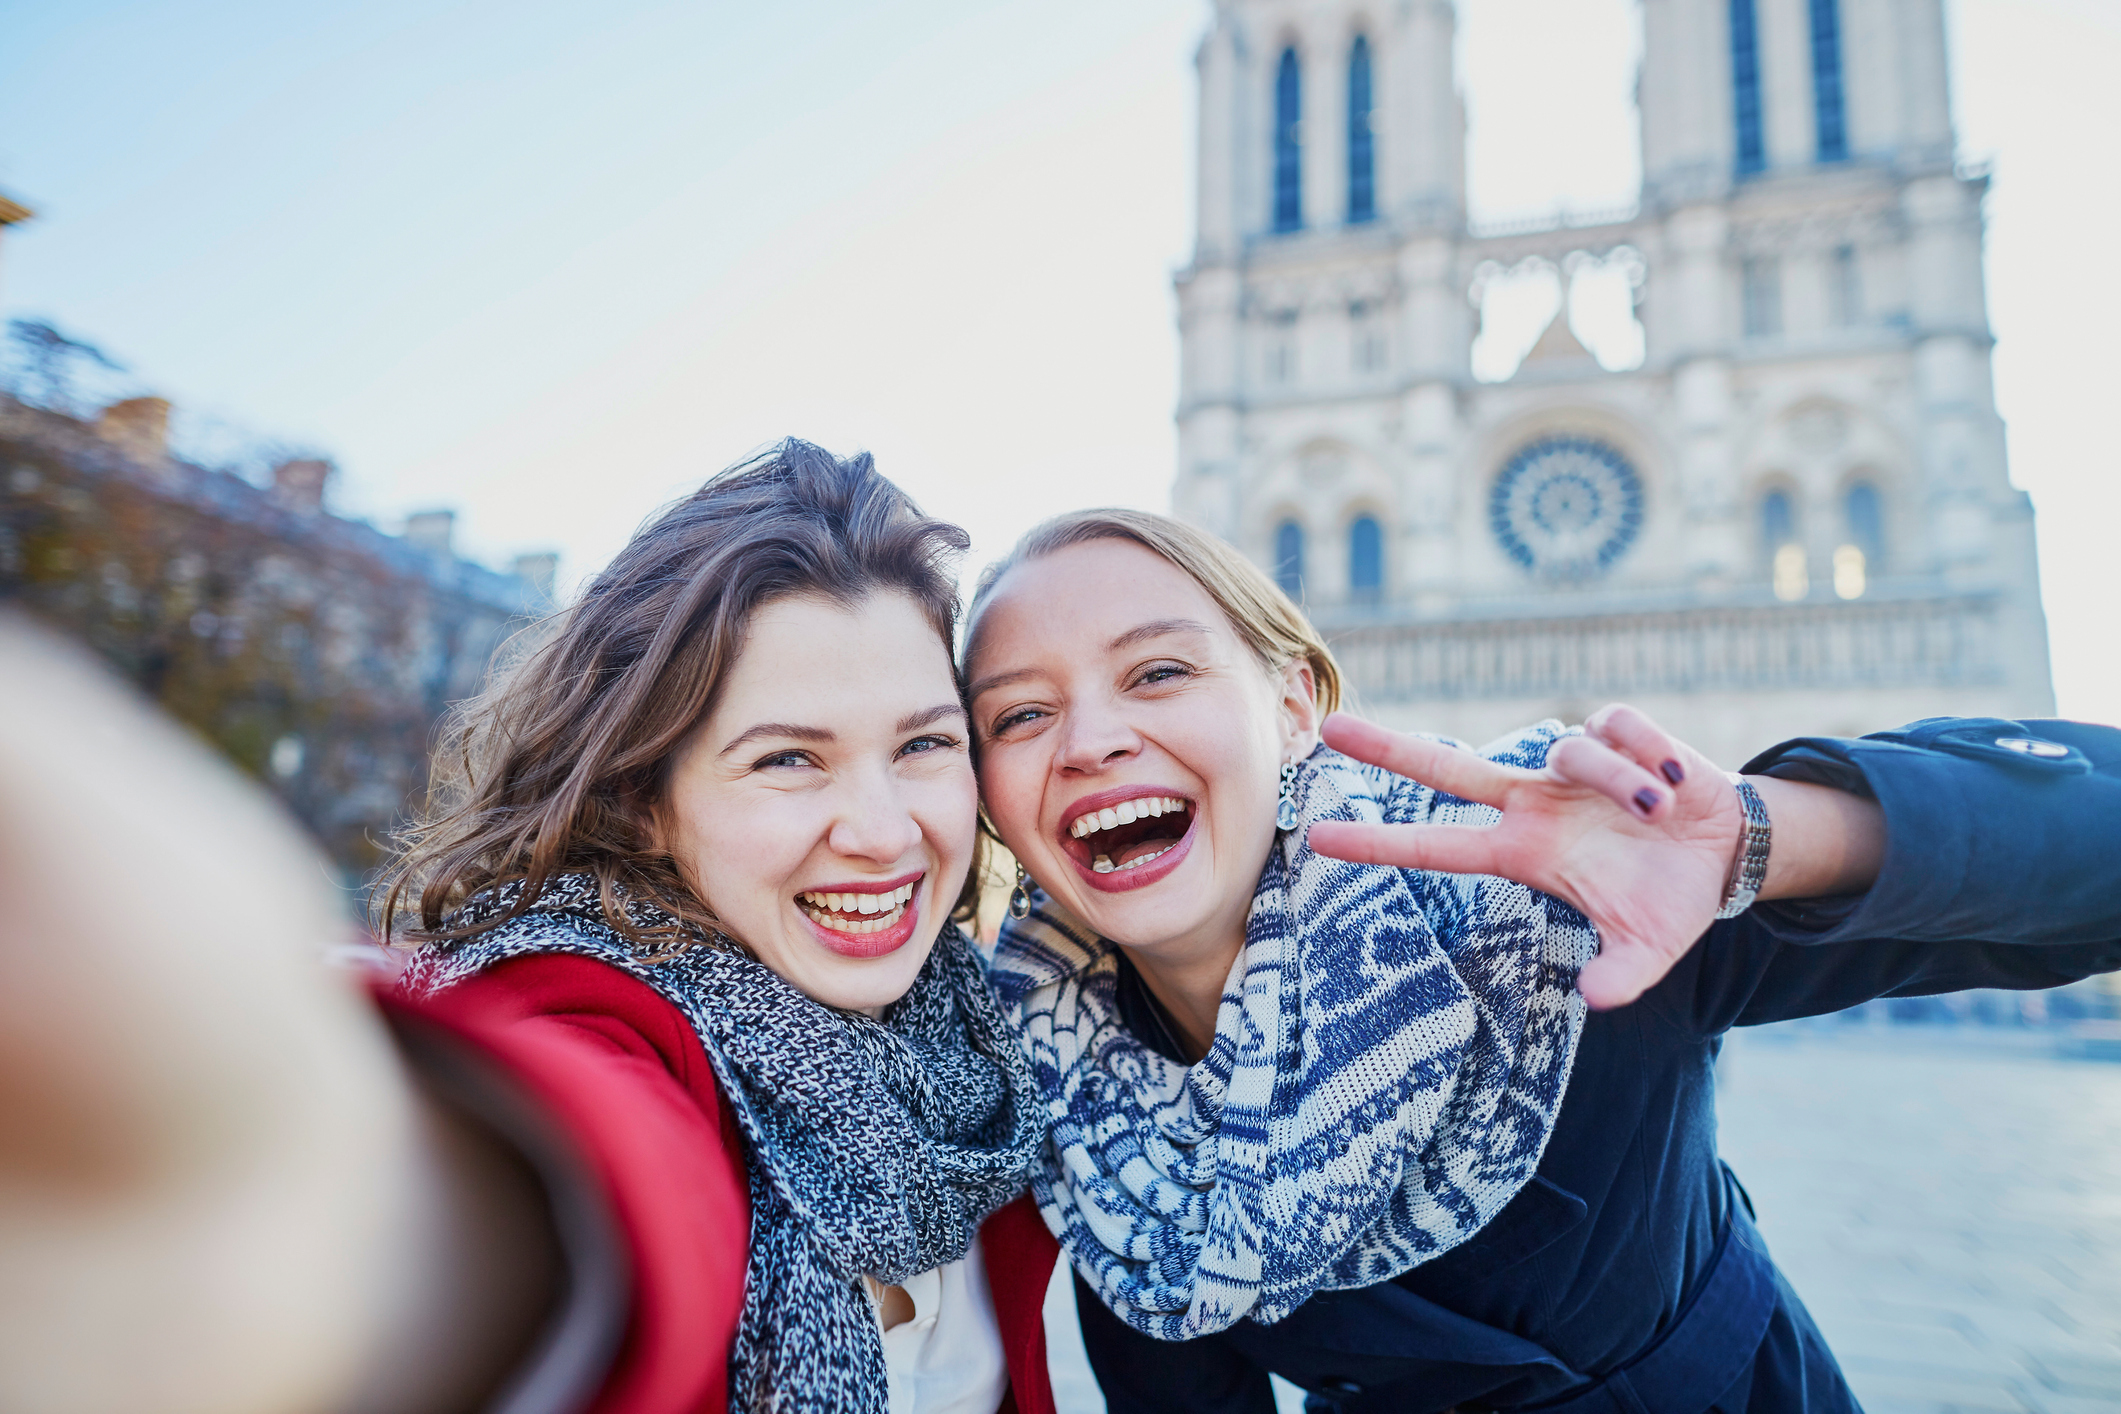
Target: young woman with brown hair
x: 700, y: 1098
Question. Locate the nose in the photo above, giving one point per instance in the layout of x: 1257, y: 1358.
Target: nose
x: 874, y: 823
x: 1094, y: 736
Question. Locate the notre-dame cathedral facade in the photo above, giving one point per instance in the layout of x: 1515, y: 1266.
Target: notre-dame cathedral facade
x: 1794, y: 516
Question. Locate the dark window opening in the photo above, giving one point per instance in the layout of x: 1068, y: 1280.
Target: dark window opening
x: 1362, y: 145
x: 1289, y: 559
x: 1366, y: 560
x: 1288, y: 144
x: 1829, y: 110
x: 1745, y: 88
x: 1866, y: 521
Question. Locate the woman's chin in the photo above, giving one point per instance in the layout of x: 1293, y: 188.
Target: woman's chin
x: 1172, y: 903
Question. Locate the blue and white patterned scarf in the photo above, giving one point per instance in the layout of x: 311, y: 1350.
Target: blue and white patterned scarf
x: 1389, y: 1056
x: 874, y: 1147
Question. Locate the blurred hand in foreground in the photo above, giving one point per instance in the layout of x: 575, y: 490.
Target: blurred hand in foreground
x: 219, y: 1191
x: 1634, y: 828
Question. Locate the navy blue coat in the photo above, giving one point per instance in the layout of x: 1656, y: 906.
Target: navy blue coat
x: 1627, y: 1277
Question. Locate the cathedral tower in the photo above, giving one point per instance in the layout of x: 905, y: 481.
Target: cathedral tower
x: 1793, y: 516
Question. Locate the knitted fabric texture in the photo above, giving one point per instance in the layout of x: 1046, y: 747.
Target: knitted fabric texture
x: 873, y: 1147
x: 1390, y: 1052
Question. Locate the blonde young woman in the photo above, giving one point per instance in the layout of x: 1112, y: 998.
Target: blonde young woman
x: 1357, y: 1081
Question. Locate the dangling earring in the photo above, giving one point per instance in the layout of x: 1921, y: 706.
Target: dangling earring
x: 1020, y: 896
x: 1285, y: 808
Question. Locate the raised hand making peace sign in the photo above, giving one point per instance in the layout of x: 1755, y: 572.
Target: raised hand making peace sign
x: 1634, y: 828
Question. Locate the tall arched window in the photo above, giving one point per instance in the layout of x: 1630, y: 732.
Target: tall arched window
x: 1745, y: 88
x: 1778, y: 521
x: 1856, y: 558
x: 1785, y: 553
x: 1288, y: 143
x: 1362, y: 145
x: 1289, y: 559
x: 1366, y: 560
x: 1829, y: 111
x: 1866, y: 520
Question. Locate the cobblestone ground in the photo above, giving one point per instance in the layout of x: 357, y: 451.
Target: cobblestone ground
x: 1948, y: 1203
x: 1946, y: 1200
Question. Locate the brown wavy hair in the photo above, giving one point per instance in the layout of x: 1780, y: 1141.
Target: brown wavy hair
x: 558, y: 764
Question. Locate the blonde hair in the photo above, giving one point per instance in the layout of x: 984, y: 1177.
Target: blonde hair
x: 1265, y: 618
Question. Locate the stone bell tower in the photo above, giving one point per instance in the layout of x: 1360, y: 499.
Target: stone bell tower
x: 1794, y: 515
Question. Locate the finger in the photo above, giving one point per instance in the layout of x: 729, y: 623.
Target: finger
x: 1630, y: 731
x: 1450, y: 769
x: 1448, y: 849
x: 1620, y: 974
x: 1588, y: 762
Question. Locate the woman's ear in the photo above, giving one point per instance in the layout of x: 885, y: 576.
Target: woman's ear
x: 1299, y: 710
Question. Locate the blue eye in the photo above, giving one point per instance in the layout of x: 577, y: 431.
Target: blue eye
x: 1012, y: 719
x: 1162, y: 672
x: 780, y: 760
x: 923, y: 744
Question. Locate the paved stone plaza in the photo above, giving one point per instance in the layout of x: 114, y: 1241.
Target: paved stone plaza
x: 1948, y: 1203
x: 1947, y: 1200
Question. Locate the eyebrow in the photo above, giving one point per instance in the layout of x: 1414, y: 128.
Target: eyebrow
x: 911, y: 722
x: 1156, y: 628
x: 1140, y: 633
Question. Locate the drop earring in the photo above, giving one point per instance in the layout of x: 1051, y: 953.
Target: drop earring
x: 1285, y: 807
x: 1020, y: 896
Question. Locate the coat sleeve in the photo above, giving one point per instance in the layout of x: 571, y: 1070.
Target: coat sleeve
x: 1998, y: 873
x: 622, y: 1084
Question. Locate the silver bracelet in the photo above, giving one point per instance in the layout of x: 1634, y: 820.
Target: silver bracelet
x: 1749, y: 869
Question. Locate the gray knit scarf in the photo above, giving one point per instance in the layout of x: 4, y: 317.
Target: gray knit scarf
x: 873, y: 1147
x: 1391, y: 1050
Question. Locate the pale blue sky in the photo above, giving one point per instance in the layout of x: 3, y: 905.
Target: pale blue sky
x: 552, y: 264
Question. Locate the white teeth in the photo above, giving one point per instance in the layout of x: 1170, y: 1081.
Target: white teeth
x: 861, y: 906
x: 1101, y: 864
x: 1146, y: 807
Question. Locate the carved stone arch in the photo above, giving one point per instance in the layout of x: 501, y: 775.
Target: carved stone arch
x: 1817, y: 439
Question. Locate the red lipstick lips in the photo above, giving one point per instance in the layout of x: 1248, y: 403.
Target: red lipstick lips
x: 824, y: 906
x: 1082, y: 852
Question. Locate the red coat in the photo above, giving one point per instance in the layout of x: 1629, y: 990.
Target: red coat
x: 623, y: 1073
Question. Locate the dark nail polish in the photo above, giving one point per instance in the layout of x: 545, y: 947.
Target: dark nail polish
x: 1673, y: 772
x: 1645, y: 800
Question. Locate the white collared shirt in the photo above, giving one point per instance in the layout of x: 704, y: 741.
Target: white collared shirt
x: 948, y: 1359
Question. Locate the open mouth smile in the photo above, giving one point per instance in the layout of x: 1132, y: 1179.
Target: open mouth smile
x: 1126, y: 838
x: 863, y: 920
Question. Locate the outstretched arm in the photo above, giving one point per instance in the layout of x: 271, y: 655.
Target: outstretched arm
x: 219, y: 1188
x: 1634, y: 828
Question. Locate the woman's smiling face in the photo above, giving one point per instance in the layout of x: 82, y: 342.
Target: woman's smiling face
x: 1131, y: 743
x: 825, y: 809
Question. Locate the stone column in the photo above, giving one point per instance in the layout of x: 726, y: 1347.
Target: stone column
x: 1421, y: 138
x: 1218, y: 223
x: 1684, y: 91
x: 1324, y: 51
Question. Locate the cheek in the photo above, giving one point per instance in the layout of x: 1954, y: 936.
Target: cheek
x: 737, y: 854
x: 948, y: 811
x: 1009, y: 788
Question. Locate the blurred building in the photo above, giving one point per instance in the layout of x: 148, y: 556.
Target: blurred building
x: 315, y: 651
x: 1794, y: 516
